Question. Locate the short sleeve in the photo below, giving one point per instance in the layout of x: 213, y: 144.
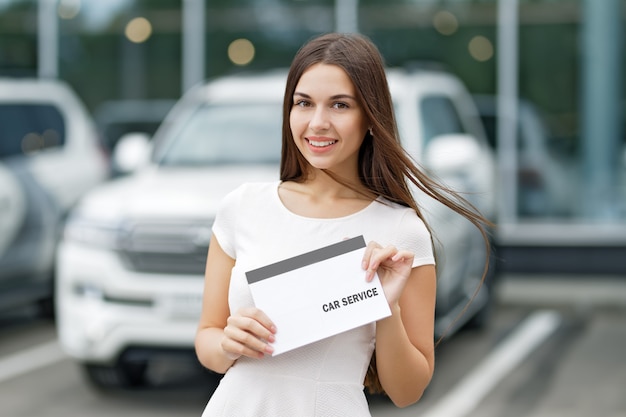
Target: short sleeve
x: 224, y: 226
x: 413, y: 235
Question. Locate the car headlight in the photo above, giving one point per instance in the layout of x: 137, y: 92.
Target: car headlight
x: 93, y: 232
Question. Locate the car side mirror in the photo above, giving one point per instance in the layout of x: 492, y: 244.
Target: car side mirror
x: 131, y: 152
x: 451, y: 154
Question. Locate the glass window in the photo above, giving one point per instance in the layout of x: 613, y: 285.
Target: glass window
x: 28, y: 128
x: 226, y: 134
x: 440, y: 117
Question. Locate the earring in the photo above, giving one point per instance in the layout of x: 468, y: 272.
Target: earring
x: 371, y: 133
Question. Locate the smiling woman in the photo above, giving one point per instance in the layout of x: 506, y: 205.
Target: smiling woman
x: 147, y: 225
x: 343, y: 173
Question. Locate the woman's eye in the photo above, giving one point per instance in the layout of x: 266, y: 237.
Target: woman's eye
x: 340, y: 105
x: 302, y: 103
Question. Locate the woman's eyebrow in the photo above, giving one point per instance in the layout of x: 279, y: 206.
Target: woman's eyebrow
x: 335, y: 97
x: 343, y: 96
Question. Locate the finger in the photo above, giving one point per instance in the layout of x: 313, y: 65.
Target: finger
x: 380, y: 255
x: 235, y: 349
x: 245, y: 341
x: 260, y: 317
x: 252, y: 326
x: 403, y: 256
x: 388, y: 257
x: 367, y: 255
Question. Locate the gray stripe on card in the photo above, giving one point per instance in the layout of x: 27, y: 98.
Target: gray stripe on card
x: 305, y: 259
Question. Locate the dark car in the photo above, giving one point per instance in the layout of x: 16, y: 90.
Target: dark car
x: 544, y: 176
x: 50, y: 155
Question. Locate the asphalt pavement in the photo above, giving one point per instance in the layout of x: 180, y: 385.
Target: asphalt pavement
x: 572, y: 361
x: 554, y: 348
x: 580, y: 371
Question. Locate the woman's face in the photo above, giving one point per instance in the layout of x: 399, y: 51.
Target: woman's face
x: 327, y: 123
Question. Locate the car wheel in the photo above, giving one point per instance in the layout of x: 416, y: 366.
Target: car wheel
x: 120, y: 375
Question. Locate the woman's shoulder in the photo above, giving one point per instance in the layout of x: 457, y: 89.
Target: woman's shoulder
x: 240, y: 201
x: 248, y: 194
x: 385, y: 205
x: 252, y: 189
x: 397, y: 214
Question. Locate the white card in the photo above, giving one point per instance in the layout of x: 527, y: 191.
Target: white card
x: 318, y: 294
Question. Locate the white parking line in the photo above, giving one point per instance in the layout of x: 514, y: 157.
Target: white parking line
x: 28, y: 360
x: 470, y: 391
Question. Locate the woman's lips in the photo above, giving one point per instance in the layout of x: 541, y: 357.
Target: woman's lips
x: 320, y: 143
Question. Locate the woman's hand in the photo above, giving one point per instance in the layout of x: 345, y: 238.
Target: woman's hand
x: 248, y: 332
x: 393, y: 267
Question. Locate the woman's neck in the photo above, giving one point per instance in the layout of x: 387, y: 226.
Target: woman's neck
x: 326, y: 185
x: 321, y: 196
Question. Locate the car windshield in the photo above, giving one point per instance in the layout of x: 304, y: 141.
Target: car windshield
x: 219, y: 134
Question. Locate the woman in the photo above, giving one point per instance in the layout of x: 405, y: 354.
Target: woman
x: 343, y: 174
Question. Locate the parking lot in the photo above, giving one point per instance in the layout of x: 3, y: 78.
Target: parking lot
x: 555, y: 348
x: 125, y: 125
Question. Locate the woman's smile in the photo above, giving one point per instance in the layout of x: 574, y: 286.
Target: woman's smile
x: 320, y: 143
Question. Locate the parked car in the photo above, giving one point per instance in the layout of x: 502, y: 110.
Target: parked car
x: 131, y: 262
x: 12, y: 204
x: 50, y: 156
x: 546, y: 179
x: 116, y: 118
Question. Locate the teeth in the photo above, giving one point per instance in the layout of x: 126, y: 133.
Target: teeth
x: 322, y: 144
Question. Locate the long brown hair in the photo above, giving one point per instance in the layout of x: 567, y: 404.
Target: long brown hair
x: 385, y: 168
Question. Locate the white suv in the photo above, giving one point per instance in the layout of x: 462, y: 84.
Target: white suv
x: 130, y: 266
x: 50, y: 155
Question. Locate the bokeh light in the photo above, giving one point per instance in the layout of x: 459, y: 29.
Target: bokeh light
x: 241, y: 52
x: 138, y: 30
x: 480, y: 48
x: 68, y: 9
x: 51, y: 138
x: 445, y: 22
x: 32, y: 142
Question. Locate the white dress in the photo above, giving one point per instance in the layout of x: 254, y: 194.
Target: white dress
x: 325, y: 378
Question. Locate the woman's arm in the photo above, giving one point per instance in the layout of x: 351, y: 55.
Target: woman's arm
x: 405, y: 341
x: 405, y: 357
x: 221, y: 338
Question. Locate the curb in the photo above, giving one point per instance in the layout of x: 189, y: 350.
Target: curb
x: 563, y: 291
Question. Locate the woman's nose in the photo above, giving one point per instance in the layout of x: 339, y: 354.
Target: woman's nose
x: 319, y: 120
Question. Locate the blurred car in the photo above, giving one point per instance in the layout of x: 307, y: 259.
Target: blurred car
x: 50, y: 156
x: 131, y: 262
x: 12, y: 204
x: 116, y: 118
x: 546, y: 179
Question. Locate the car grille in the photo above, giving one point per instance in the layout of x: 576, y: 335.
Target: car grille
x: 166, y: 248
